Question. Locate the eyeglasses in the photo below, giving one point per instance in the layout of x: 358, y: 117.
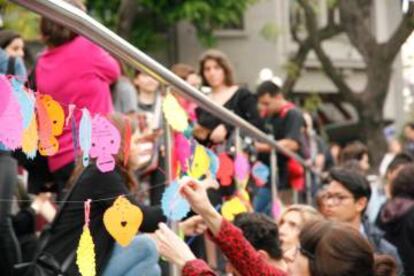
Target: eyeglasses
x: 335, y: 199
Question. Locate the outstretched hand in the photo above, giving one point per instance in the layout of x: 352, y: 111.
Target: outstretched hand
x: 171, y: 247
x: 193, y: 226
x: 196, y: 194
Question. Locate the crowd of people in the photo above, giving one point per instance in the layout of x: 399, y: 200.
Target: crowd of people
x: 359, y: 222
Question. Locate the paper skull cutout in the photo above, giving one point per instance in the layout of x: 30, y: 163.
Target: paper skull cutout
x: 106, y: 141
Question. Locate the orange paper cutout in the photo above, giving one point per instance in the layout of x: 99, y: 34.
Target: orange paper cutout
x: 122, y: 220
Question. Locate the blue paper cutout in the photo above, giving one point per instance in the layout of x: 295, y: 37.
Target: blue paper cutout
x: 260, y: 173
x: 74, y: 136
x: 26, y: 101
x: 85, y: 135
x: 173, y: 205
x: 214, y: 163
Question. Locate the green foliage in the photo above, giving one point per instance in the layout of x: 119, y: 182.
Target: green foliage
x: 292, y: 69
x: 312, y: 103
x: 270, y: 32
x: 205, y: 15
x: 20, y: 20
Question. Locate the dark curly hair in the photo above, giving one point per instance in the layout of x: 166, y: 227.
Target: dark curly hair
x: 261, y: 231
x: 402, y: 186
x: 55, y: 34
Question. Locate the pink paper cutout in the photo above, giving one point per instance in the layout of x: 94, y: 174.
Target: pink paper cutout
x: 71, y: 109
x: 241, y: 167
x: 106, y: 141
x: 183, y: 150
x: 5, y: 94
x: 11, y: 120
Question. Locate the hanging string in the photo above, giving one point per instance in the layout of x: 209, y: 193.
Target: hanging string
x: 87, y: 212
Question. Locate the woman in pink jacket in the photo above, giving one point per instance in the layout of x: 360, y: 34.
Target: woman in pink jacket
x: 73, y: 70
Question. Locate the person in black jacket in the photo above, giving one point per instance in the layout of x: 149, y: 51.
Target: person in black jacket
x: 103, y: 189
x: 345, y: 200
x: 397, y: 217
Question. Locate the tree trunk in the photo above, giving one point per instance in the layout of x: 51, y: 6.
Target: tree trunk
x: 370, y: 107
x: 127, y: 13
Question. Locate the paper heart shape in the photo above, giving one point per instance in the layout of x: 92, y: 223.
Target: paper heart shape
x: 122, y: 220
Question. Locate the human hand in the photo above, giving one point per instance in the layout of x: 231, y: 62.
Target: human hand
x: 171, y: 247
x: 193, y: 226
x: 219, y: 134
x: 196, y: 194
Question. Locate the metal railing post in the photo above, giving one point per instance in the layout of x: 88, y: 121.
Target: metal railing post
x: 274, y: 174
x: 173, y: 269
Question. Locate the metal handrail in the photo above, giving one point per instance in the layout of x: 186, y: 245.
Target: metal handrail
x: 77, y: 20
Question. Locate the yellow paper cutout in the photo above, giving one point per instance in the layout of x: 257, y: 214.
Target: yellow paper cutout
x: 122, y: 220
x: 174, y: 113
x: 201, y: 163
x: 30, y: 138
x: 85, y: 255
x: 55, y: 112
x: 237, y: 205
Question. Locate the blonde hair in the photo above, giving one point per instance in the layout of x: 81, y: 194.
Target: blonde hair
x: 306, y: 212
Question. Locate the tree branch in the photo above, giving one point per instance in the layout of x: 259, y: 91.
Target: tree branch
x: 327, y: 65
x: 391, y: 48
x: 305, y: 47
x: 354, y: 14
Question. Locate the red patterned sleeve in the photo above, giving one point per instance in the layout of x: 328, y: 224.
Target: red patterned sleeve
x: 241, y: 253
x: 197, y: 267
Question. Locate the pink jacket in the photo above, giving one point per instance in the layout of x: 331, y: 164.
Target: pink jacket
x: 78, y: 72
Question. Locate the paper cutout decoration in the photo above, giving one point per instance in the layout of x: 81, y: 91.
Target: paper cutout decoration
x: 11, y: 120
x: 174, y: 113
x: 26, y: 101
x: 85, y: 254
x: 183, y: 150
x: 241, y: 167
x: 105, y: 142
x: 200, y: 163
x: 237, y: 205
x: 5, y: 93
x: 226, y: 170
x: 174, y: 206
x: 232, y: 208
x: 122, y: 220
x: 260, y: 173
x: 51, y: 119
x: 214, y: 163
x: 30, y: 139
x: 276, y: 208
x: 85, y: 135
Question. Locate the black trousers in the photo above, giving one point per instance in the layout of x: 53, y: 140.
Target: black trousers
x: 9, y: 245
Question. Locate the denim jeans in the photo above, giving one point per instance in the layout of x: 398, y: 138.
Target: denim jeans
x: 9, y: 246
x: 138, y: 258
x: 262, y: 202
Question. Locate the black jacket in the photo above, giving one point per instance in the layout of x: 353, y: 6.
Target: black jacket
x: 381, y: 246
x: 396, y: 219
